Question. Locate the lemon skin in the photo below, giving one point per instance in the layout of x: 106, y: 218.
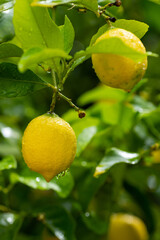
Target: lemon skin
x: 127, y: 227
x: 48, y: 145
x: 119, y: 71
x: 156, y: 156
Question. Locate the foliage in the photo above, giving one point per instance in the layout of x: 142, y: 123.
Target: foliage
x: 113, y: 170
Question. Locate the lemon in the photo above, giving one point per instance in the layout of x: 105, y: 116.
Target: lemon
x: 156, y: 156
x: 48, y: 145
x: 119, y: 71
x: 127, y: 227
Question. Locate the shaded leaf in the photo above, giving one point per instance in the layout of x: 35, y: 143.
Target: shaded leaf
x: 15, y: 84
x: 8, y: 50
x: 63, y: 185
x: 115, y: 156
x: 8, y: 163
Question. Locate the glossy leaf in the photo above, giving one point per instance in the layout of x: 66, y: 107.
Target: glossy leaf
x: 68, y: 34
x: 8, y: 50
x: 60, y: 223
x: 34, y: 27
x: 15, y: 84
x: 9, y: 225
x: 115, y: 156
x: 8, y: 162
x: 6, y: 26
x: 136, y: 27
x: 37, y: 55
x: 63, y: 185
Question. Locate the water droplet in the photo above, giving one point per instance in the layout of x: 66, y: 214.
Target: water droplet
x: 37, y: 179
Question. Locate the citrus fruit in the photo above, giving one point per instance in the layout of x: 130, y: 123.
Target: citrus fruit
x: 48, y: 145
x: 156, y: 156
x: 120, y: 71
x: 127, y: 227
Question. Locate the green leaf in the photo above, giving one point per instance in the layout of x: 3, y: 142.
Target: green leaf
x: 84, y: 139
x: 116, y: 46
x: 37, y: 55
x: 101, y: 93
x: 9, y: 50
x: 34, y: 27
x: 60, y: 222
x: 101, y: 30
x: 94, y: 223
x: 68, y: 34
x: 6, y: 26
x: 8, y: 163
x: 15, y: 84
x: 79, y: 125
x: 9, y: 225
x: 136, y: 27
x: 115, y: 156
x: 62, y: 186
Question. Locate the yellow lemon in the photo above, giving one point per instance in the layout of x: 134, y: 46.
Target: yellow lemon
x: 127, y: 227
x: 119, y: 71
x: 48, y: 145
x: 156, y: 156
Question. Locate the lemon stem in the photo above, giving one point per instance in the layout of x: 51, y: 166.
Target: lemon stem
x: 53, y: 103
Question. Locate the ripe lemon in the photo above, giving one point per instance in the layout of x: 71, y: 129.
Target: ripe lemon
x: 119, y: 71
x: 48, y: 145
x: 156, y: 156
x: 127, y: 227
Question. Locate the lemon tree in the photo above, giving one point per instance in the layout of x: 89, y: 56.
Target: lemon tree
x: 79, y: 120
